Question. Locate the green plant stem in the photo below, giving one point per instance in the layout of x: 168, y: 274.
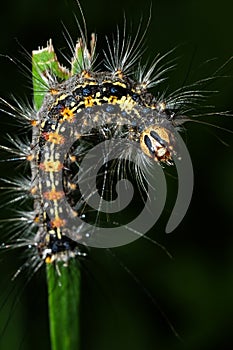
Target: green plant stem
x: 63, y: 298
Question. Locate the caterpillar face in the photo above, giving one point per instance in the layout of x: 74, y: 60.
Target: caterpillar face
x: 155, y: 143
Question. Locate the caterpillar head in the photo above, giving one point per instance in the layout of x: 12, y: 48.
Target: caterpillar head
x: 156, y: 142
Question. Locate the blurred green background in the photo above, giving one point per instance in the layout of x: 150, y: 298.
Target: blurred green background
x: 195, y: 290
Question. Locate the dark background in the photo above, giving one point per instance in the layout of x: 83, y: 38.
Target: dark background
x: 195, y: 290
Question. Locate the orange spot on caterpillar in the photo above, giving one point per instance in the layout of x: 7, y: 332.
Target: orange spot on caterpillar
x: 54, y: 137
x: 37, y: 219
x: 72, y: 158
x: 113, y: 100
x: 54, y: 91
x: 33, y: 190
x: 48, y: 260
x: 58, y: 222
x: 34, y: 122
x: 51, y: 166
x: 72, y: 186
x: 30, y: 157
x: 88, y: 101
x: 53, y: 195
x: 67, y: 114
x: 120, y: 74
x: 86, y: 74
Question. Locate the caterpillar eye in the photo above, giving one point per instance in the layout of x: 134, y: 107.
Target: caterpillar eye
x: 155, y: 142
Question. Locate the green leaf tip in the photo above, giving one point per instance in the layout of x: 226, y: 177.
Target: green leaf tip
x: 46, y: 69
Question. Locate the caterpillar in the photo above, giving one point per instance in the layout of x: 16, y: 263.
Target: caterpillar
x: 89, y: 107
x: 108, y: 95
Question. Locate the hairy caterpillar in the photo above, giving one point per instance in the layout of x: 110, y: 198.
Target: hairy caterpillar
x: 19, y: 144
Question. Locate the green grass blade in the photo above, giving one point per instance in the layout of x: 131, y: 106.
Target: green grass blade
x: 64, y: 296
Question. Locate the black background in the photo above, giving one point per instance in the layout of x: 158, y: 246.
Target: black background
x: 195, y: 289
